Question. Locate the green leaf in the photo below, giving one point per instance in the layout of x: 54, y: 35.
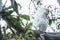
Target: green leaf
x: 16, y: 21
x: 28, y: 26
x: 26, y: 17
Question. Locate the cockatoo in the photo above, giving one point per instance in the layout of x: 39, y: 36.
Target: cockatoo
x: 41, y: 20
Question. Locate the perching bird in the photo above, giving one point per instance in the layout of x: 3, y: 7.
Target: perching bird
x: 41, y: 19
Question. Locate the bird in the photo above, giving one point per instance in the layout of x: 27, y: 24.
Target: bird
x: 42, y: 21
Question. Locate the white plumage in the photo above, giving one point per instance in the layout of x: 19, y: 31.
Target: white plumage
x: 41, y: 21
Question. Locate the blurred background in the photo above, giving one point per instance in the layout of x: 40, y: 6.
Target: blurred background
x: 43, y: 14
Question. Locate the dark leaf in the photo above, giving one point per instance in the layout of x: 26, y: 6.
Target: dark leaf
x: 9, y: 12
x: 15, y: 6
x: 58, y: 27
x: 50, y: 21
x: 12, y: 2
x: 6, y: 8
x: 20, y: 6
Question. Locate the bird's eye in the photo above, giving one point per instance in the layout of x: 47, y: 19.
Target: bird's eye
x: 46, y: 13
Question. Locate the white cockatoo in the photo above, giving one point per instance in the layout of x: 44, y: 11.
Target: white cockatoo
x: 41, y: 21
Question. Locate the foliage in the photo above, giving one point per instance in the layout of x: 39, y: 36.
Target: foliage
x: 16, y: 23
x: 20, y: 31
x: 28, y: 35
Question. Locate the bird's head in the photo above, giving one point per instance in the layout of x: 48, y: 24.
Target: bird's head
x: 46, y: 12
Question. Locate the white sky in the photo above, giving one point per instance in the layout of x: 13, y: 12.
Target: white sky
x: 25, y: 7
x: 50, y: 2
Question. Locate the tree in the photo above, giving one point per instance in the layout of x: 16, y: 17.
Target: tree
x: 15, y: 23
